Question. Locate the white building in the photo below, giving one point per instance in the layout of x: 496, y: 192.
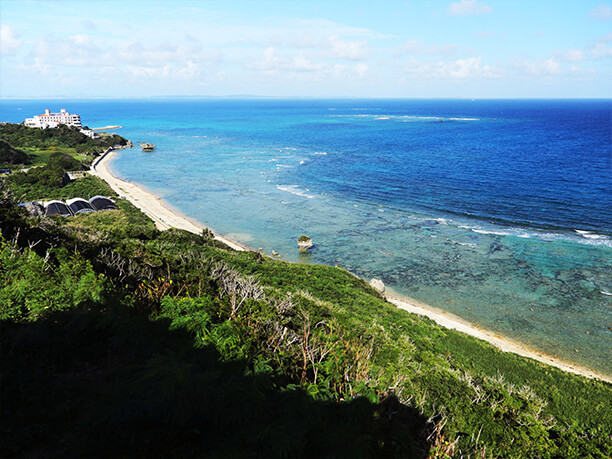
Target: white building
x: 89, y: 133
x: 52, y: 120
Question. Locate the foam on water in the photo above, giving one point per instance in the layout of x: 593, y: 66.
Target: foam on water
x: 294, y: 189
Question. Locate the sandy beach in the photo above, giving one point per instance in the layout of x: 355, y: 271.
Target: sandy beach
x: 503, y: 343
x: 165, y: 218
x: 158, y: 211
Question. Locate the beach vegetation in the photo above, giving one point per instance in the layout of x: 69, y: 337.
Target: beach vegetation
x: 122, y: 340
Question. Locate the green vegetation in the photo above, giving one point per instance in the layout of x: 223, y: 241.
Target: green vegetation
x: 10, y: 156
x: 66, y: 139
x: 121, y: 340
x: 41, y: 156
x: 47, y: 182
x: 50, y: 153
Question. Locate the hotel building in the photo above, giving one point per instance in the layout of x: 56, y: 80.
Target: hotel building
x: 52, y: 120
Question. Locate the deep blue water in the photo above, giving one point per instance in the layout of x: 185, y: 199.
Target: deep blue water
x: 498, y: 211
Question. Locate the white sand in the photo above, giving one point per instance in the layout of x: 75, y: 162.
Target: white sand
x: 163, y: 217
x: 166, y: 218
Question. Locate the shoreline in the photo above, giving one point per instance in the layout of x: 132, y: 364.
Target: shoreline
x: 501, y: 342
x: 165, y: 217
x: 153, y: 207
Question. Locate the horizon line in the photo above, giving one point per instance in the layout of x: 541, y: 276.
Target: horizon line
x: 248, y: 96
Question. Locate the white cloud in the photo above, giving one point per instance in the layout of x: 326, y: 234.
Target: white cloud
x: 464, y: 7
x: 9, y: 40
x: 300, y: 63
x: 149, y: 72
x: 571, y: 55
x: 540, y: 67
x: 578, y: 71
x: 170, y: 71
x: 465, y: 68
x: 418, y: 47
x: 271, y: 62
x: 606, y: 38
x: 79, y: 55
x: 602, y: 13
x: 136, y: 53
x: 361, y: 70
x: 302, y: 69
x: 75, y: 51
x: 189, y: 70
x: 81, y: 40
x: 352, y: 50
x: 458, y: 69
x: 334, y: 45
x: 37, y: 67
x: 600, y: 50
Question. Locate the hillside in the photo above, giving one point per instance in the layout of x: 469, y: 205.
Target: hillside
x: 39, y: 144
x: 172, y: 344
x: 10, y: 156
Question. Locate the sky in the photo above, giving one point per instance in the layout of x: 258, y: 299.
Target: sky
x: 314, y: 48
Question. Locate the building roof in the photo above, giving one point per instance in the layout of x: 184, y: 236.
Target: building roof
x: 102, y: 203
x: 57, y: 208
x: 79, y: 206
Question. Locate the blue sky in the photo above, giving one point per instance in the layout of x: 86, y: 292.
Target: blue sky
x: 462, y: 48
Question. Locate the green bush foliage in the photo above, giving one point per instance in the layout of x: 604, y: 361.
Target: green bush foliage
x: 171, y: 344
x: 48, y: 181
x: 35, y: 286
x: 10, y: 156
x: 20, y: 136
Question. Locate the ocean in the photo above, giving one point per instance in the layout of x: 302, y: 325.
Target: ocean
x: 499, y: 211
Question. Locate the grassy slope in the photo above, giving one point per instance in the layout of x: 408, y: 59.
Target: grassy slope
x: 40, y: 156
x: 170, y: 343
x: 467, y: 389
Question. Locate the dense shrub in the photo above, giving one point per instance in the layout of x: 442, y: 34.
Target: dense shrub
x: 20, y: 136
x: 34, y: 286
x: 11, y: 156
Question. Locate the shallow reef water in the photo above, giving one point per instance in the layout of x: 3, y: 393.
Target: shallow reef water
x: 497, y: 211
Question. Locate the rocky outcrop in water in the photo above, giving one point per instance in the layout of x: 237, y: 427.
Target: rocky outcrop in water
x: 304, y: 242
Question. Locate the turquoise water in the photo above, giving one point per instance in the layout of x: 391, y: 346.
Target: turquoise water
x: 497, y: 211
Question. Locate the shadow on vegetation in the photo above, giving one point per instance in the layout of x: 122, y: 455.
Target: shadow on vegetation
x: 100, y: 384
